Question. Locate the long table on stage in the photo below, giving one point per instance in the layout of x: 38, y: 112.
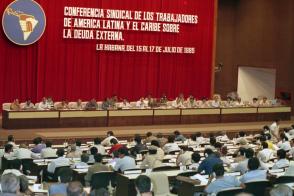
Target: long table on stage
x: 132, y: 117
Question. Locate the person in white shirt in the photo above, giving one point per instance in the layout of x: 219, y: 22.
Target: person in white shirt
x: 72, y: 152
x: 124, y: 104
x: 99, y: 146
x: 284, y: 143
x: 291, y: 152
x: 191, y: 102
x: 141, y: 103
x: 59, y: 162
x: 254, y: 174
x: 274, y: 129
x: 179, y: 102
x: 10, y: 140
x: 238, y: 103
x: 195, y: 157
x: 9, y: 154
x: 200, y: 139
x: 184, y: 157
x: 24, y: 153
x: 83, y: 163
x: 124, y: 162
x: 282, y: 161
x: 254, y: 102
x: 48, y: 152
x: 215, y: 103
x: 106, y: 141
x: 43, y: 104
x: 50, y: 102
x: 170, y: 145
x: 28, y: 105
x: 264, y: 102
x: 265, y: 154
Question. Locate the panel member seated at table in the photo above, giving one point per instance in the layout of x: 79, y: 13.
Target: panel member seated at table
x: 106, y: 104
x: 91, y: 105
x: 63, y: 105
x: 215, y: 103
x: 48, y: 152
x: 78, y: 105
x: 124, y: 162
x: 141, y: 103
x: 43, y: 104
x: 59, y: 162
x: 97, y: 167
x: 163, y: 99
x: 254, y: 102
x: 50, y: 102
x: 239, y: 103
x: 15, y: 106
x: 124, y: 104
x: 191, y: 102
x: 264, y: 102
x: 109, y: 136
x: 179, y: 102
x: 28, y: 105
x: 221, y: 182
x: 64, y: 177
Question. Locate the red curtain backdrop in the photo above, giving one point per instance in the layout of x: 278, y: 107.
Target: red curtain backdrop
x: 72, y: 69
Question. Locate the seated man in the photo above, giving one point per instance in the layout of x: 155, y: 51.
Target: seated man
x: 149, y: 137
x: 48, y: 152
x: 151, y: 159
x: 83, y: 163
x: 195, y: 161
x: 59, y: 162
x: 184, y: 157
x: 139, y: 146
x: 24, y: 153
x: 254, y: 172
x: 265, y: 154
x: 282, y: 161
x: 97, y: 167
x: 63, y: 105
x: 99, y: 146
x: 209, y: 162
x: 43, y: 104
x: 170, y: 145
x: 124, y: 162
x: 106, y: 141
x: 73, y: 152
x: 143, y: 185
x: 115, y: 146
x: 221, y: 182
x: 91, y: 105
x: 28, y: 105
x: 75, y: 189
x: 64, y: 177
x: 124, y: 104
x: 179, y: 136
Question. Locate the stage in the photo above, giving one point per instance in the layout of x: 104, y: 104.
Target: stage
x: 126, y: 132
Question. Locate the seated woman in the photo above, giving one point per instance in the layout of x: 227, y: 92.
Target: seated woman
x: 151, y: 159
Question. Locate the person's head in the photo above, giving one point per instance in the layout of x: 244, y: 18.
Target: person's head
x: 143, y: 184
x: 224, y: 150
x: 185, y: 148
x: 281, y: 190
x: 75, y: 189
x: 194, y: 137
x: 152, y: 150
x: 48, y: 144
x: 84, y: 157
x: 195, y: 157
x: 242, y: 151
x: 37, y: 140
x: 8, y: 148
x: 110, y: 133
x: 212, y: 141
x: 122, y: 152
x: 155, y: 143
x: 249, y: 153
x: 65, y: 175
x: 253, y: 163
x: 9, y: 183
x: 281, y: 153
x: 198, y: 134
x: 60, y: 152
x: 10, y: 138
x: 264, y: 145
x: 138, y: 139
x: 177, y: 133
x: 97, y: 141
x: 148, y: 134
x: 159, y: 135
x: 93, y: 150
x: 219, y: 170
x: 113, y: 141
x: 98, y: 158
x: 218, y: 145
x: 266, y: 128
x: 242, y: 134
x: 171, y: 139
x: 78, y: 143
x: 208, y: 151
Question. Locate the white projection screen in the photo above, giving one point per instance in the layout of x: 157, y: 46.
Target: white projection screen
x: 256, y: 82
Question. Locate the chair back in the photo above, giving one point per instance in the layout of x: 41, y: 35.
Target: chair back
x: 160, y: 183
x: 26, y: 166
x: 230, y: 192
x: 285, y: 179
x: 55, y: 175
x: 164, y: 168
x: 102, y: 180
x: 257, y: 187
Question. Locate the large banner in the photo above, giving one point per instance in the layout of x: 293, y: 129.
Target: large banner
x: 71, y: 49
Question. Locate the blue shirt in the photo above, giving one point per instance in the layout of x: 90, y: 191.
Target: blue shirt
x: 254, y: 175
x: 222, y: 183
x: 59, y: 189
x: 208, y: 163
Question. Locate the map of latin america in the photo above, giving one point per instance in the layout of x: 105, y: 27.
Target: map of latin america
x: 27, y: 22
